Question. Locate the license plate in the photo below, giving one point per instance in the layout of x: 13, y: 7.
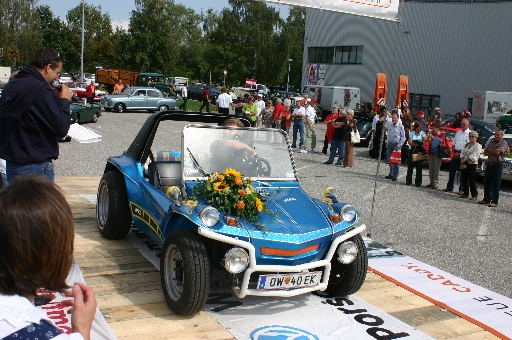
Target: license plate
x: 289, y: 281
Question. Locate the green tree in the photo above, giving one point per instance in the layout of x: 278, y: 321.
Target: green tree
x: 293, y: 34
x: 18, y: 31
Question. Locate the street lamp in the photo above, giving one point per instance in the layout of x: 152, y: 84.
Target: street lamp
x: 288, y: 81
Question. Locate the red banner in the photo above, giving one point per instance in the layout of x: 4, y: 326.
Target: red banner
x: 250, y: 82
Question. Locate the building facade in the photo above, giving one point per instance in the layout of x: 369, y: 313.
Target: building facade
x: 448, y: 49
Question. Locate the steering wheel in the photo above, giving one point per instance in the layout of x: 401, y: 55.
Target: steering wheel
x: 257, y: 166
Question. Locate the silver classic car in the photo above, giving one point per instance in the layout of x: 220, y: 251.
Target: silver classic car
x: 139, y: 98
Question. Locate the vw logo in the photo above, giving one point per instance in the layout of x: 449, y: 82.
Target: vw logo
x: 281, y: 333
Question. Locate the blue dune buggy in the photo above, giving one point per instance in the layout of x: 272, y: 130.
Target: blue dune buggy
x: 297, y: 245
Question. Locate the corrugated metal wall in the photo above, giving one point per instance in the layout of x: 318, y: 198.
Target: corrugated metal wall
x: 450, y: 49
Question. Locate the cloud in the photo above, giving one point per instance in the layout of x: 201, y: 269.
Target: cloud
x: 123, y: 24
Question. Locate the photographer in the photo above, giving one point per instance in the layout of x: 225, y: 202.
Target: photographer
x: 33, y: 117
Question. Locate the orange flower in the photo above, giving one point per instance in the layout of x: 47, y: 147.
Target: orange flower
x: 240, y: 205
x: 241, y: 192
x: 220, y: 177
x: 238, y: 181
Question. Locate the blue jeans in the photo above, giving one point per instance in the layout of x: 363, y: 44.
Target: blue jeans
x: 454, y: 166
x: 43, y: 168
x: 337, y: 147
x: 298, y: 126
x: 393, y: 168
x: 492, y: 182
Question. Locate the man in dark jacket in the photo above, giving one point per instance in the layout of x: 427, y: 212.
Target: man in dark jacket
x: 33, y: 117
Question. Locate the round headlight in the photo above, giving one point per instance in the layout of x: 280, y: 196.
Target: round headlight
x: 236, y: 260
x: 348, y: 212
x: 209, y: 216
x: 347, y: 252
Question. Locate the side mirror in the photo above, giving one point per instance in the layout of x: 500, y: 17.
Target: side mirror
x: 329, y: 192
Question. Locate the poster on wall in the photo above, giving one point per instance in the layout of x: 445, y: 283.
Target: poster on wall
x: 315, y: 74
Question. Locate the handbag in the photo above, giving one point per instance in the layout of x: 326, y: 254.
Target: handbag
x: 395, y: 157
x: 444, y: 151
x: 416, y: 157
x: 354, y: 137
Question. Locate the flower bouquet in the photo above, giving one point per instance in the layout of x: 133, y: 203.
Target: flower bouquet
x: 231, y: 193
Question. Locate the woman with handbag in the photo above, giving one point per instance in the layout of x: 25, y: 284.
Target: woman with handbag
x: 436, y: 139
x: 416, y: 153
x: 468, y: 163
x: 266, y: 118
x: 350, y: 130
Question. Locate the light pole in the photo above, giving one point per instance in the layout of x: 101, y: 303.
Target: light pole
x: 82, y: 54
x: 288, y: 81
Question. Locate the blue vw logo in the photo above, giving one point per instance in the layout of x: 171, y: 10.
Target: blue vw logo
x: 281, y: 333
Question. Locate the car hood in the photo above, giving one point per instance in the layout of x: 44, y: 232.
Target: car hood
x: 290, y: 211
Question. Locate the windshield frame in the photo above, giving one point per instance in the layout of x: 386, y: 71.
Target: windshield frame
x: 293, y: 177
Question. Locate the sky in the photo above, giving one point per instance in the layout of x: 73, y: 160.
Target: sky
x: 119, y: 10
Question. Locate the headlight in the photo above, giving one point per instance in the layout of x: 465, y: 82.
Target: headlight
x: 347, y: 252
x: 348, y: 212
x: 209, y: 216
x: 236, y: 260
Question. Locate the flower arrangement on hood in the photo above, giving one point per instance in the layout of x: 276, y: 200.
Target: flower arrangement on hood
x: 232, y: 193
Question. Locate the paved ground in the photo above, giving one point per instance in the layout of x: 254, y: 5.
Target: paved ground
x: 459, y: 236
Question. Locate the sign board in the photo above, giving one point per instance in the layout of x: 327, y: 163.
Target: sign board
x: 381, y: 9
x: 316, y: 74
x: 250, y: 82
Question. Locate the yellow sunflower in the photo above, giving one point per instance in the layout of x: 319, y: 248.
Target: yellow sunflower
x: 259, y: 205
x: 232, y: 172
x: 220, y: 186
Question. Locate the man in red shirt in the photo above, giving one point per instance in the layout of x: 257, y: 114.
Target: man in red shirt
x: 90, y: 92
x: 206, y: 100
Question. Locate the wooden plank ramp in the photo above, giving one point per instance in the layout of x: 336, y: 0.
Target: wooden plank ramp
x: 129, y: 294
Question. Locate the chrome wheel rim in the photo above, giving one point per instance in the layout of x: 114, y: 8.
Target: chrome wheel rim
x: 103, y: 206
x: 173, y: 272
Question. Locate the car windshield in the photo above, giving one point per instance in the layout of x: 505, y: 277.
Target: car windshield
x: 207, y: 149
x: 129, y: 92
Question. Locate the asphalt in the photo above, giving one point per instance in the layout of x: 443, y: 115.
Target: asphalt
x: 456, y: 235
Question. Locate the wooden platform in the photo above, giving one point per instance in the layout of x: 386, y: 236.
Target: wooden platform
x: 129, y: 294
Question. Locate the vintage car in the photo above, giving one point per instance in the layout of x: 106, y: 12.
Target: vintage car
x: 140, y: 98
x: 364, y: 126
x: 294, y: 244
x: 484, y: 129
x: 79, y: 89
x: 195, y: 91
x: 81, y: 113
x: 507, y: 164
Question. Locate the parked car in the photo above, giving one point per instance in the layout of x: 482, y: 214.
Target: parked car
x: 484, y: 129
x: 65, y: 78
x: 507, y: 164
x: 294, y: 244
x: 195, y: 91
x: 364, y: 126
x: 89, y: 78
x: 140, y: 98
x: 81, y: 113
x: 80, y: 90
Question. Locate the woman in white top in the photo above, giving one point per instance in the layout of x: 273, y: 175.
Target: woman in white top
x: 36, y: 242
x: 468, y: 163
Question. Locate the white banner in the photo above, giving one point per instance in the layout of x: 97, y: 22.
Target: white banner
x: 484, y: 308
x: 58, y: 313
x: 382, y: 9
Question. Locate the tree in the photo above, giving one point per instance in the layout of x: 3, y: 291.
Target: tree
x: 18, y: 31
x: 293, y: 33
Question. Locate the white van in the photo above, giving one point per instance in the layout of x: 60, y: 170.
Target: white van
x: 329, y: 96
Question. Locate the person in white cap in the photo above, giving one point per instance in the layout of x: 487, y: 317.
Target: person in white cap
x: 260, y: 103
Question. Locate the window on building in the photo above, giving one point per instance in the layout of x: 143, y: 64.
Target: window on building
x: 348, y: 55
x: 321, y: 55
